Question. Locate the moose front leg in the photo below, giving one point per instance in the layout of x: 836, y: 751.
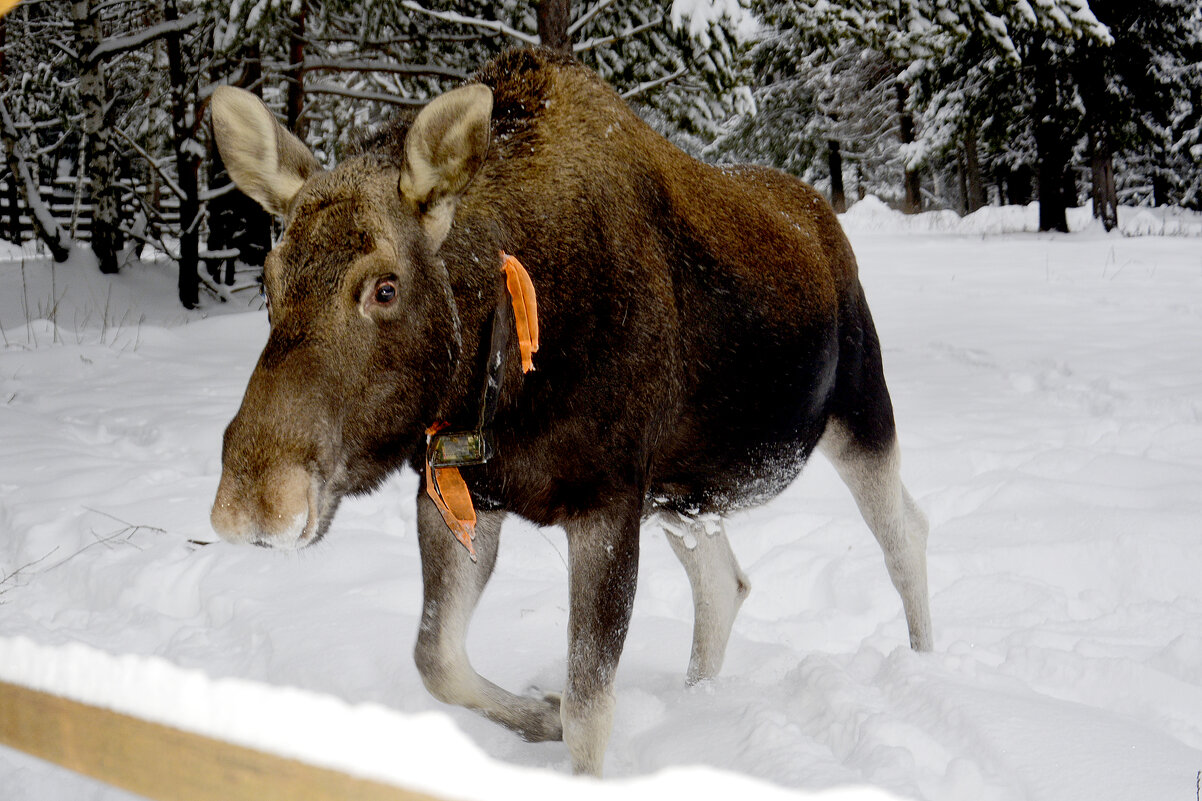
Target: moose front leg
x: 452, y: 586
x: 603, y: 552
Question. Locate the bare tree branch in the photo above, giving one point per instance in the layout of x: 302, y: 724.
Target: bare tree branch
x: 170, y: 184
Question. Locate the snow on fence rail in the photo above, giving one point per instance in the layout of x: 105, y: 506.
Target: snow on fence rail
x: 158, y: 730
x: 161, y: 762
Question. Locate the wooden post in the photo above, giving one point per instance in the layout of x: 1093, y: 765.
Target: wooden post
x: 160, y: 762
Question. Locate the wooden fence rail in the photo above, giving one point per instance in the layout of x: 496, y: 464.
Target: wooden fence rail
x: 160, y: 762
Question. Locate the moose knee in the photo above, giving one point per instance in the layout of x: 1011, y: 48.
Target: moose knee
x: 446, y: 677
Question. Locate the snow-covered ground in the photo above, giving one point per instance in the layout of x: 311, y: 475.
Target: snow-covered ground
x: 1049, y: 397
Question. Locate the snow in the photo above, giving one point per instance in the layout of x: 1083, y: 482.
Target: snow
x: 701, y: 15
x: 1049, y: 402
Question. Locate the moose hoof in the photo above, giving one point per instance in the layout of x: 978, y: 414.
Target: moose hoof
x: 541, y: 722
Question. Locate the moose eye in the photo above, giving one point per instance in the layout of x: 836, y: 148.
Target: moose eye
x: 385, y: 291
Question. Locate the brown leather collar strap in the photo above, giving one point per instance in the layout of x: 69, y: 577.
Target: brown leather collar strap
x: 444, y: 484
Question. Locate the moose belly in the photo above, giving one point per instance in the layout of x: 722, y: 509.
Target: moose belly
x: 746, y: 432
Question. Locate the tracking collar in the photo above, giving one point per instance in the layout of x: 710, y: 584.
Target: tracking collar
x: 447, y: 451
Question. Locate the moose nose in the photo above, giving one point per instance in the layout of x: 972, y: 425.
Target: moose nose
x: 272, y: 510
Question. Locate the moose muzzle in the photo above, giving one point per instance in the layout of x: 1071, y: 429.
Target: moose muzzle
x: 280, y: 510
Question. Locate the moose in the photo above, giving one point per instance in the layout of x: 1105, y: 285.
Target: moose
x: 700, y: 332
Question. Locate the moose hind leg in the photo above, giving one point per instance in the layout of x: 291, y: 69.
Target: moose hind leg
x: 719, y: 588
x: 874, y: 477
x: 452, y: 585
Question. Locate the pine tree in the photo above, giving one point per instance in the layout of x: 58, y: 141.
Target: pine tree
x: 916, y: 39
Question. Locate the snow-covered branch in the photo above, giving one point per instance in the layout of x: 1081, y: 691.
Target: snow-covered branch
x: 588, y: 16
x: 648, y: 85
x: 382, y: 65
x: 580, y: 47
x: 122, y: 44
x: 477, y: 22
x: 210, y: 194
x: 361, y: 94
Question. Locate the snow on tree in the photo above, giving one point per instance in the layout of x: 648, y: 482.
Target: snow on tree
x: 915, y: 39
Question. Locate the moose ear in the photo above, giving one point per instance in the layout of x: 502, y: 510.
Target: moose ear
x: 262, y: 157
x: 445, y: 147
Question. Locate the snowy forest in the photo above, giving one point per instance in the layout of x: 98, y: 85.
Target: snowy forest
x: 925, y: 104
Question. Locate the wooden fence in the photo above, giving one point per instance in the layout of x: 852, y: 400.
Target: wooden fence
x: 60, y: 199
x: 160, y: 762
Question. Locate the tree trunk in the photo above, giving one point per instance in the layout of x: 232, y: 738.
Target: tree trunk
x: 1160, y: 188
x: 1018, y: 186
x: 912, y: 204
x: 1051, y: 149
x: 295, y: 72
x: 1068, y: 185
x: 1105, y: 196
x: 554, y: 17
x: 187, y: 163
x: 102, y: 161
x: 962, y: 182
x: 974, y: 197
x: 835, y: 163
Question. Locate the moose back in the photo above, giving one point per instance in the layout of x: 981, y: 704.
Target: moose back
x: 700, y: 332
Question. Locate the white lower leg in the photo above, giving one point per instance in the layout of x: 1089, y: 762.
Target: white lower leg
x: 719, y: 588
x: 586, y: 730
x: 898, y: 524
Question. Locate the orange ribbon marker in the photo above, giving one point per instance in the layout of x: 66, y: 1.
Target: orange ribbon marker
x: 449, y: 492
x: 445, y: 485
x: 525, y: 308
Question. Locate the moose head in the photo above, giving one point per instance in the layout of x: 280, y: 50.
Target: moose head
x: 365, y: 332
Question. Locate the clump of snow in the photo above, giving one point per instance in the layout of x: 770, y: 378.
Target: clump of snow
x: 699, y: 16
x: 1049, y: 405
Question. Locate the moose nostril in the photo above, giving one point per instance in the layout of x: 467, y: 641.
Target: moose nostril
x: 271, y: 509
x: 227, y: 520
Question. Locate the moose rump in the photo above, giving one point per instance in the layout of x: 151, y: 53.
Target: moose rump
x: 702, y: 331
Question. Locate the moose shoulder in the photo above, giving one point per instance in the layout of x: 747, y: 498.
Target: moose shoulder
x: 701, y: 332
